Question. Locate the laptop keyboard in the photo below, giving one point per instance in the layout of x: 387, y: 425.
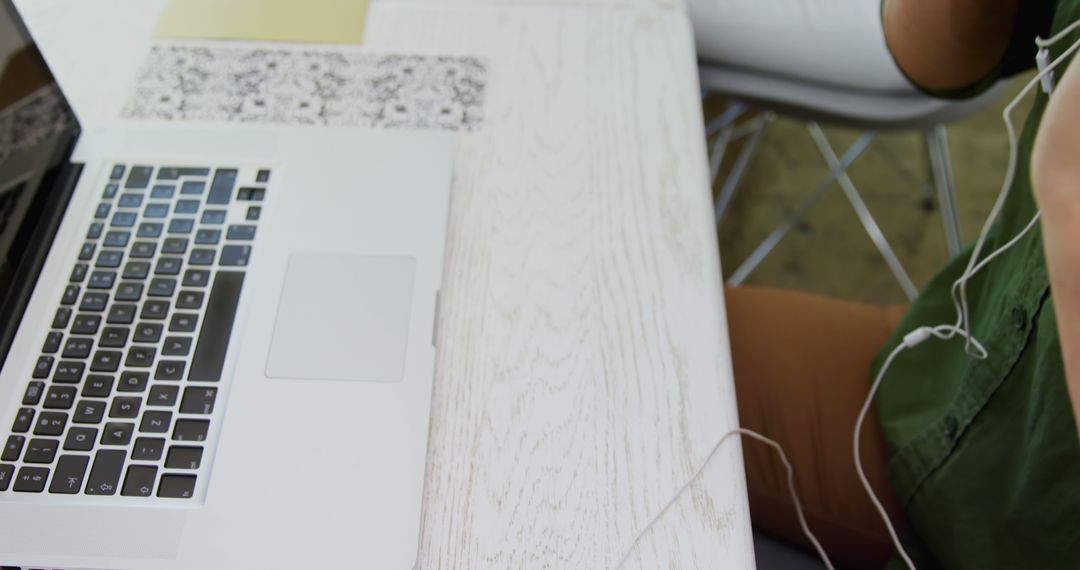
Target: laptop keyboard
x: 122, y: 396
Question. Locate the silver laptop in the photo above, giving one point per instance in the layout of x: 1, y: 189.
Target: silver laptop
x: 217, y: 340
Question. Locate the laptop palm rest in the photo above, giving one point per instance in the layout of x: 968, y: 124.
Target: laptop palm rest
x: 343, y: 317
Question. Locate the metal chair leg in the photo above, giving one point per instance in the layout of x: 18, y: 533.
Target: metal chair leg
x: 758, y: 255
x: 937, y: 145
x: 867, y: 219
x: 738, y: 170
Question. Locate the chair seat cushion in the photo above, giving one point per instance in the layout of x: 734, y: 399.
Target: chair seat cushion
x: 838, y: 43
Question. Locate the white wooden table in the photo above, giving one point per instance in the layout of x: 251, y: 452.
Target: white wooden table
x: 584, y: 370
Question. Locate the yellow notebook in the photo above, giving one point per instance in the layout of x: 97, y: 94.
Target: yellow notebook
x: 319, y: 21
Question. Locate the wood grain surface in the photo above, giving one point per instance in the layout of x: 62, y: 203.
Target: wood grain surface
x: 583, y: 369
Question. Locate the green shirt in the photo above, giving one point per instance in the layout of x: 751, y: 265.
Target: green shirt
x: 986, y: 459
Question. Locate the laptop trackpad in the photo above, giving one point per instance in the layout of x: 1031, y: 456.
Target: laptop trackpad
x: 343, y: 317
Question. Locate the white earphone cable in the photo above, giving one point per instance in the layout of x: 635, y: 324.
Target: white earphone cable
x: 962, y: 327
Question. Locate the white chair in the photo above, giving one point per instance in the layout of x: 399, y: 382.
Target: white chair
x: 822, y: 61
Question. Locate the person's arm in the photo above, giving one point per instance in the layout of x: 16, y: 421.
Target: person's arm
x: 1055, y: 176
x: 945, y: 45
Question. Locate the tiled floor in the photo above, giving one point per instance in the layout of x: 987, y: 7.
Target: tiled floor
x: 830, y: 253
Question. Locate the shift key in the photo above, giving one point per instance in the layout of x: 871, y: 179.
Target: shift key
x: 105, y: 475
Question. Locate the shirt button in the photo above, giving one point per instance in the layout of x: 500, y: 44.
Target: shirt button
x: 949, y: 427
x: 1019, y: 317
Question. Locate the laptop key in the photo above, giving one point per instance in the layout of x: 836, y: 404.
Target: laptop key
x: 71, y: 295
x: 148, y: 332
x: 110, y: 191
x: 163, y: 396
x: 207, y: 237
x: 139, y: 177
x: 69, y: 372
x: 168, y: 266
x: 156, y: 211
x: 186, y: 207
x: 155, y: 422
x: 169, y: 370
x: 162, y: 287
x: 76, y: 347
x: 129, y: 291
x: 213, y: 217
x: 155, y: 309
x: 149, y: 230
x: 24, y: 420
x: 51, y: 423
x: 177, y: 486
x: 221, y: 188
x: 130, y: 200
x: 136, y: 270
x: 133, y: 381
x: 102, y: 211
x: 174, y: 245
x: 124, y: 219
x: 41, y: 450
x: 201, y: 257
x: 86, y: 252
x: 254, y: 213
x: 80, y: 439
x: 95, y: 230
x: 148, y: 449
x: 125, y: 408
x: 97, y: 386
x: 33, y: 393
x: 140, y: 356
x: 101, y: 280
x: 78, y: 273
x: 235, y: 255
x: 190, y: 430
x: 209, y: 357
x: 193, y: 187
x: 117, y: 433
x: 174, y: 172
x: 60, y: 397
x: 105, y: 474
x: 121, y: 314
x: 89, y: 412
x: 109, y: 258
x: 176, y: 346
x: 139, y: 481
x: 94, y: 301
x: 181, y: 225
x: 86, y: 323
x: 114, y: 337
x: 143, y: 250
x: 52, y: 342
x: 241, y: 232
x: 69, y: 475
x: 117, y: 172
x: 31, y: 480
x: 183, y: 322
x: 117, y: 238
x: 182, y: 457
x: 106, y: 361
x: 43, y: 367
x: 198, y: 400
x: 163, y: 191
x: 189, y: 300
x: 7, y: 472
x: 60, y: 320
x: 196, y: 278
x: 13, y: 448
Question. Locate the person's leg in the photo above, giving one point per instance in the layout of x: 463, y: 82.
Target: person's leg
x: 802, y: 372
